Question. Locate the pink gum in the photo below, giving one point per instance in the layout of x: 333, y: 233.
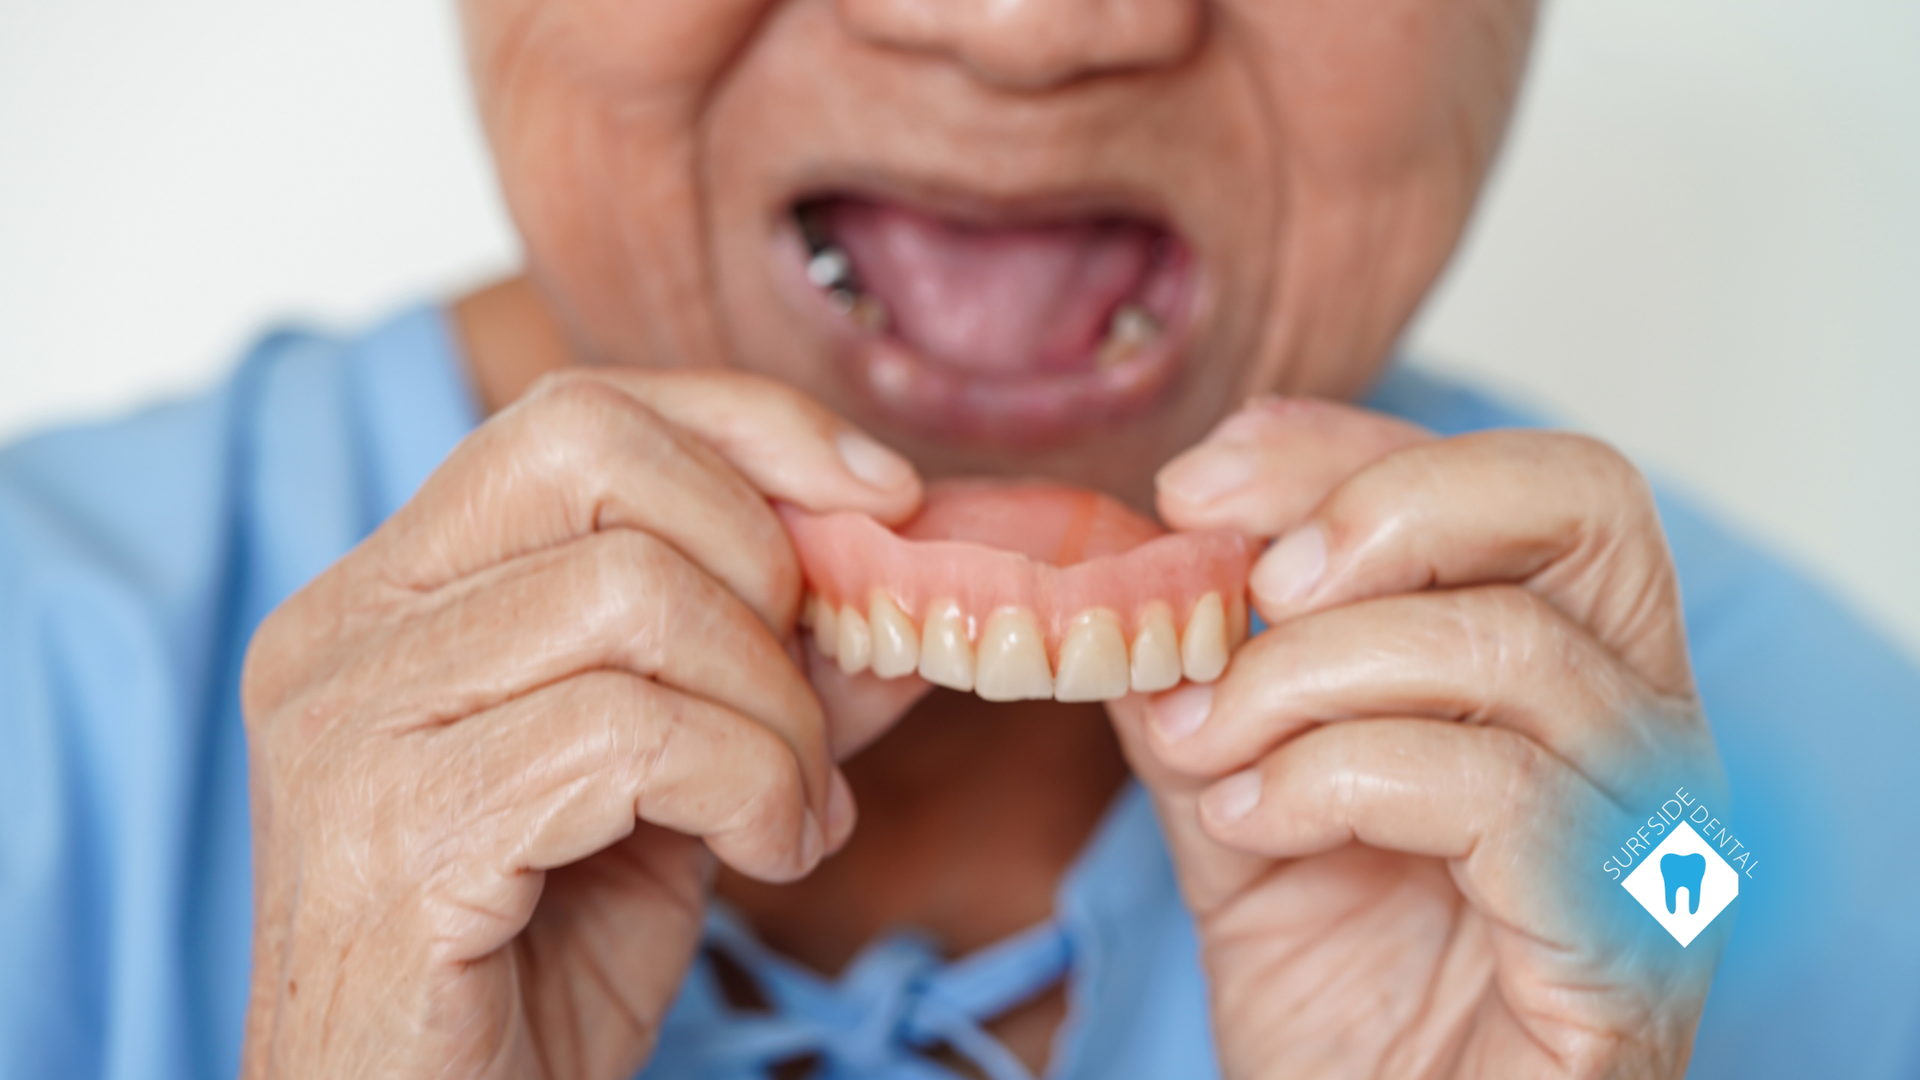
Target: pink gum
x: 846, y: 556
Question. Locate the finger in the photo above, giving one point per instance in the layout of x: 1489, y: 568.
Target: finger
x: 553, y: 777
x: 790, y: 446
x: 1208, y: 873
x: 618, y: 599
x: 1515, y: 821
x: 591, y: 451
x: 1563, y: 515
x: 1264, y: 468
x: 1496, y: 655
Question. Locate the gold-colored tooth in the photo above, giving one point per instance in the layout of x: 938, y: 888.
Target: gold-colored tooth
x: 869, y: 314
x: 856, y: 642
x: 1011, y: 664
x: 1093, y: 659
x: 1203, y: 647
x: 1154, y: 660
x: 946, y: 653
x: 896, y: 644
x: 809, y: 607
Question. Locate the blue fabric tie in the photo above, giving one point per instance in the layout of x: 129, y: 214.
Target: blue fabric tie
x: 898, y: 999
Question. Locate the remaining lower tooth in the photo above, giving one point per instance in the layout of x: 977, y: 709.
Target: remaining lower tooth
x: 826, y: 629
x: 946, y: 655
x: 1203, y: 648
x: 1156, y: 651
x: 896, y: 645
x: 1093, y: 659
x: 1012, y: 663
x: 1129, y: 331
x: 856, y: 642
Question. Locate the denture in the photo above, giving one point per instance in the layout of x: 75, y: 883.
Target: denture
x: 1022, y: 590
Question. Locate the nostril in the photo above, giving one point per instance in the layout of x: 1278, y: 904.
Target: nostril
x: 1033, y: 44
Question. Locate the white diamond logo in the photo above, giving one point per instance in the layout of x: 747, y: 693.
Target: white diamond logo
x: 1684, y: 884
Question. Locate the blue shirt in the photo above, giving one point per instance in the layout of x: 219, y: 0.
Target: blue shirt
x: 137, y: 556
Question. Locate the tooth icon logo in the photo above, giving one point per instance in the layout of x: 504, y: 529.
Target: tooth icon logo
x: 1684, y: 864
x: 1683, y: 872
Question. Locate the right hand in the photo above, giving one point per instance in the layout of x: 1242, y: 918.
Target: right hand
x: 494, y: 749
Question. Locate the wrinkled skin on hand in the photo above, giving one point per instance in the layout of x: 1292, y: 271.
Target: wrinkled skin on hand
x: 495, y: 749
x: 1388, y: 816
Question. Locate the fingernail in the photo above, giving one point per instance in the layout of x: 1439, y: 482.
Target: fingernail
x: 1233, y: 798
x: 840, y: 812
x: 1208, y: 472
x: 1179, y: 713
x: 1291, y: 568
x: 813, y: 843
x: 871, y: 462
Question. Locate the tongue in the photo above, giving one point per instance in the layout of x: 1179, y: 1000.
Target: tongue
x: 999, y: 300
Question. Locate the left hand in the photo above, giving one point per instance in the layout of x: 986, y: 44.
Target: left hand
x: 1389, y: 816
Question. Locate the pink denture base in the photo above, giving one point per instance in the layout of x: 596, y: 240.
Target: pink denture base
x: 1052, y: 550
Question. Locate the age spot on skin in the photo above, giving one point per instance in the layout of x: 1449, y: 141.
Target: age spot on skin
x: 1022, y: 590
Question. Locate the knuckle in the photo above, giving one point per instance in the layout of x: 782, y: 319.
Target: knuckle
x: 574, y: 415
x: 634, y: 591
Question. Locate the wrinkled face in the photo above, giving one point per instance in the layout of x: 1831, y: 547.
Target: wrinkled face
x: 1009, y: 236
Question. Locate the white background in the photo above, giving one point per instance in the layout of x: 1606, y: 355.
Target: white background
x: 1704, y: 243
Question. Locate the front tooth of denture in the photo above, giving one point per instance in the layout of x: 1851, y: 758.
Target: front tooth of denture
x: 1093, y: 659
x: 1012, y: 664
x: 1156, y: 650
x: 856, y: 642
x: 896, y: 644
x: 946, y: 656
x: 1203, y: 648
x: 826, y: 629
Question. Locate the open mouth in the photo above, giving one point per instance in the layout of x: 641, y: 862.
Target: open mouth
x: 1025, y: 332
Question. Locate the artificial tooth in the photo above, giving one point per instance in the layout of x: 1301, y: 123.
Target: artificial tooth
x: 896, y: 644
x: 1203, y: 648
x: 1012, y: 664
x: 826, y: 629
x: 829, y: 268
x: 856, y: 642
x: 1130, y: 329
x: 946, y: 656
x: 1093, y: 659
x: 1156, y: 651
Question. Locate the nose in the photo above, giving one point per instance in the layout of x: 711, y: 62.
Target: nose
x: 1034, y: 44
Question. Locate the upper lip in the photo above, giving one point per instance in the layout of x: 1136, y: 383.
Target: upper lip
x: 980, y: 205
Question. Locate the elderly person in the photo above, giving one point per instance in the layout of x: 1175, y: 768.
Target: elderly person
x: 432, y: 702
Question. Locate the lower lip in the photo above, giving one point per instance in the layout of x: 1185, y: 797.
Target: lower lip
x: 1029, y: 411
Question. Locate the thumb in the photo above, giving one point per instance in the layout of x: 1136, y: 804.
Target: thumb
x: 1209, y: 873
